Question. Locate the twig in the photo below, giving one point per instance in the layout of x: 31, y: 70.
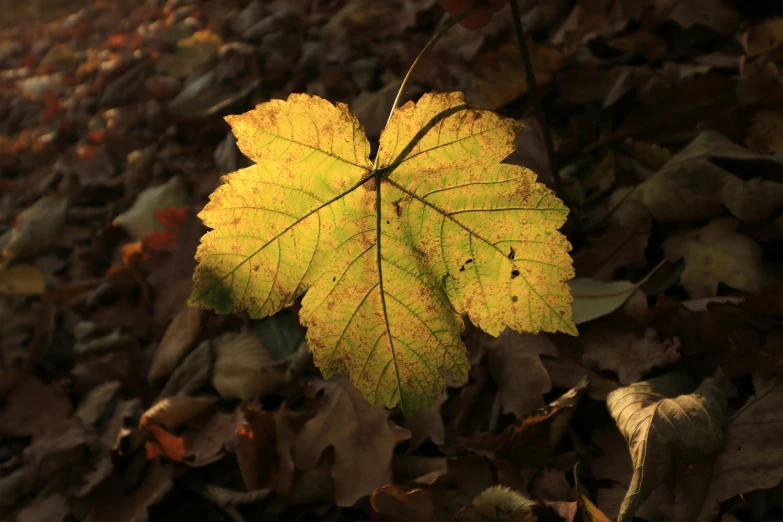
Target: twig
x: 532, y: 89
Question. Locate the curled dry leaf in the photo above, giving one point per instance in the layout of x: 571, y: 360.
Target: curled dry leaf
x: 362, y: 436
x: 21, y: 280
x: 716, y: 254
x: 242, y: 369
x: 178, y: 339
x: 763, y: 37
x: 627, y: 354
x: 172, y: 412
x: 191, y: 373
x: 664, y: 427
x: 36, y: 228
x: 588, y: 510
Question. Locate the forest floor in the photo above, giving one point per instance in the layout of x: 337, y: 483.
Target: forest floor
x: 120, y: 404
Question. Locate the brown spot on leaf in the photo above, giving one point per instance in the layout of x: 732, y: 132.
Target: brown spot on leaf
x: 512, y: 253
x: 514, y: 273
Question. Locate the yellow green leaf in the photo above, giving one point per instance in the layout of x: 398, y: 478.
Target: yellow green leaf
x: 391, y: 254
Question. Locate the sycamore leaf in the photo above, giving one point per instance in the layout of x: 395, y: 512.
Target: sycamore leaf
x: 390, y: 254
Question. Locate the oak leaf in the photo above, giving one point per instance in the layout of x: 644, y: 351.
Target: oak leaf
x: 391, y: 253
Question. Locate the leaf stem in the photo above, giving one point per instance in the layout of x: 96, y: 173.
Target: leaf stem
x: 451, y: 23
x: 532, y: 88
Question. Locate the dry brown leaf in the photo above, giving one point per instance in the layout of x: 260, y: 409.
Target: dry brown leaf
x: 178, y: 339
x: 362, y: 436
x: 206, y: 440
x: 228, y: 497
x: 716, y: 254
x: 242, y: 367
x: 33, y: 409
x: 399, y: 505
x: 192, y: 52
x: 763, y: 37
x: 427, y: 423
x: 511, y: 355
x: 96, y: 402
x: 21, y: 280
x: 665, y: 427
x: 256, y: 447
x: 36, y: 228
x: 752, y: 455
x: 172, y: 412
x: 192, y: 373
x: 51, y: 509
x: 765, y: 133
x: 112, y: 502
x: 532, y: 438
x: 627, y: 354
x: 140, y: 219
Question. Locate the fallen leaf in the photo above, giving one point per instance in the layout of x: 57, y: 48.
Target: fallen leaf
x: 427, y: 423
x: 242, y: 367
x: 403, y: 506
x: 532, y: 438
x: 33, y: 409
x: 172, y: 412
x: 227, y: 497
x: 177, y: 340
x: 765, y: 133
x: 752, y: 457
x: 627, y: 354
x: 164, y: 444
x: 192, y: 52
x: 140, y: 219
x: 716, y: 254
x: 97, y: 402
x: 588, y: 510
x: 764, y: 37
x: 36, y: 228
x: 512, y: 354
x: 346, y: 298
x: 21, y: 280
x: 51, y: 509
x: 665, y: 427
x: 362, y: 437
x: 372, y: 108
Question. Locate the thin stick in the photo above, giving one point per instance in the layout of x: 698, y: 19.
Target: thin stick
x: 539, y: 108
x: 451, y: 23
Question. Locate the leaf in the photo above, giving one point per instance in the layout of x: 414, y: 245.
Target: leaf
x: 664, y: 428
x: 752, y: 456
x: 531, y: 439
x: 21, y: 280
x: 588, y: 510
x: 178, y: 339
x: 716, y: 254
x: 408, y: 506
x: 627, y: 354
x: 362, y: 437
x: 140, y: 218
x: 513, y: 354
x: 240, y: 367
x: 594, y: 299
x: 390, y: 255
x: 35, y: 228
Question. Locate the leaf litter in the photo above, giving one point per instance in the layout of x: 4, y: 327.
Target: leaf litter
x: 120, y: 403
